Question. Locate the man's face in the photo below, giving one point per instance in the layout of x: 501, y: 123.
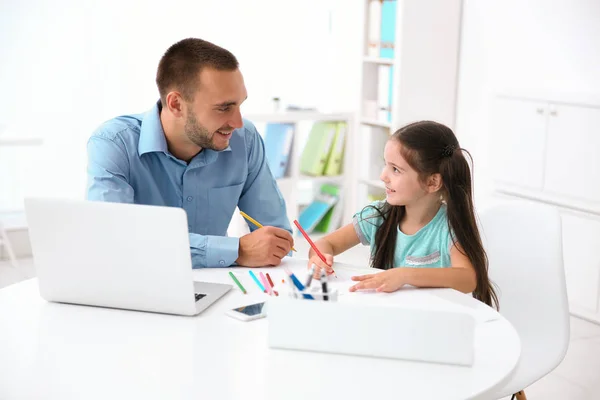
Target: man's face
x: 215, y: 111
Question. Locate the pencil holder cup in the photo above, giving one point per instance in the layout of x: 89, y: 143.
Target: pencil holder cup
x: 314, y: 293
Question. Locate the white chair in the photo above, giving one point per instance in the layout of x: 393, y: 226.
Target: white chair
x: 4, y: 242
x: 523, y: 241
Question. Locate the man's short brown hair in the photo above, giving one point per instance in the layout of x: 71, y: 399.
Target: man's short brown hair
x: 179, y: 67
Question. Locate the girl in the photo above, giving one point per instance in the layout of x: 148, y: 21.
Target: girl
x: 424, y: 234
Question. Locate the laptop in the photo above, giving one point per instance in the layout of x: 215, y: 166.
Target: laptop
x: 126, y: 256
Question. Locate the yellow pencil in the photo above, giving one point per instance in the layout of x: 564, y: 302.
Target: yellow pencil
x: 255, y: 222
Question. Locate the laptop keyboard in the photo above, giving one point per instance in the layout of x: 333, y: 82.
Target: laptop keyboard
x: 199, y: 296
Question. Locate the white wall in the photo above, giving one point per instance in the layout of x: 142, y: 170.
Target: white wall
x: 68, y: 65
x: 511, y: 45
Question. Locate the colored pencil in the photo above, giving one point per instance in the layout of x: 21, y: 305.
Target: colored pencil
x: 310, y: 242
x: 262, y: 289
x: 264, y: 281
x: 272, y: 284
x: 237, y: 282
x: 269, y: 279
x: 255, y: 222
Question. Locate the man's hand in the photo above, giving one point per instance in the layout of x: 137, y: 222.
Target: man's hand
x: 264, y: 247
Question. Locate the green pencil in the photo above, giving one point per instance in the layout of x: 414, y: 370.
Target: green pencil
x: 237, y: 282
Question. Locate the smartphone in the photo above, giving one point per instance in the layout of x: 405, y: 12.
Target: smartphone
x: 249, y: 312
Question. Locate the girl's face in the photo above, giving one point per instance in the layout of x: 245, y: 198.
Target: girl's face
x: 402, y: 183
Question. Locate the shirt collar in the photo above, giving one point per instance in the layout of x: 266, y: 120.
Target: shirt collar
x: 152, y: 135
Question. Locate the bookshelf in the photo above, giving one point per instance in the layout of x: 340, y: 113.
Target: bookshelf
x: 299, y: 189
x: 416, y: 80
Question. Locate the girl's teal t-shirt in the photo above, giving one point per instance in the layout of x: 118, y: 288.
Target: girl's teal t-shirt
x: 428, y: 248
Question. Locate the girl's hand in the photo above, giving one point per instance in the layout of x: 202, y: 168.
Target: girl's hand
x: 387, y: 281
x: 319, y: 265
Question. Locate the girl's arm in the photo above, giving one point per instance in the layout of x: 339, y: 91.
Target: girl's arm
x: 337, y: 242
x: 333, y: 244
x: 460, y: 276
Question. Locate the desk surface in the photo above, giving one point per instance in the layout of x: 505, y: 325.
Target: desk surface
x: 59, y: 351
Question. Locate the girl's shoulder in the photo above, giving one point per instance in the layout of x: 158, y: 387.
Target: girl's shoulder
x: 441, y: 229
x: 440, y: 222
x: 372, y: 212
x: 368, y: 219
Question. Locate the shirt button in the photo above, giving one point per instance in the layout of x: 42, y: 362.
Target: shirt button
x: 222, y: 262
x: 189, y: 227
x: 190, y: 198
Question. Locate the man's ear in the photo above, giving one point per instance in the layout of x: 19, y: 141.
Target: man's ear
x: 434, y: 183
x: 175, y: 104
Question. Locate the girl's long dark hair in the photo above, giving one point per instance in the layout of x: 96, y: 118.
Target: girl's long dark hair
x: 432, y: 148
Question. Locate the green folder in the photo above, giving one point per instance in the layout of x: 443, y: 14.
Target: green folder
x: 315, y: 153
x: 325, y: 225
x: 336, y: 155
x: 376, y: 197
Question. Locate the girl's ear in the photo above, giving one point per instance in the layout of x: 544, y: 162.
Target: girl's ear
x: 434, y: 183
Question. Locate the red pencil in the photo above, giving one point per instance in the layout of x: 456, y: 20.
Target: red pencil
x: 321, y: 256
x: 271, y: 283
x: 269, y: 279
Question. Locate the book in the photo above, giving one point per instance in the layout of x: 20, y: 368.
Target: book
x: 278, y: 143
x: 388, y: 28
x: 376, y: 197
x: 315, y: 153
x: 384, y: 92
x: 336, y: 155
x: 310, y: 217
x: 374, y: 32
x: 333, y: 218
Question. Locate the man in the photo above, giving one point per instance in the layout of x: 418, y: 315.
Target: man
x: 193, y: 150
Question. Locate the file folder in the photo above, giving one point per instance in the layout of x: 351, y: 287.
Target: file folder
x: 314, y: 213
x: 333, y: 218
x: 278, y: 143
x: 315, y: 153
x: 388, y: 28
x: 336, y: 155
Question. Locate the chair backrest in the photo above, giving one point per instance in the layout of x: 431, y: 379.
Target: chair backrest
x: 523, y: 241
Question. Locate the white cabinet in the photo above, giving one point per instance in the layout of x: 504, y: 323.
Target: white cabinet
x: 547, y: 150
x: 518, y: 139
x: 572, y: 157
x: 544, y: 149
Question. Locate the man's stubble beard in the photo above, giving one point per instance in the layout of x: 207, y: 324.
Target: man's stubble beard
x: 199, y: 135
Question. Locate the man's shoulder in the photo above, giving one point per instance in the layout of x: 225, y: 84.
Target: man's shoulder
x: 247, y: 131
x: 125, y: 128
x: 245, y: 137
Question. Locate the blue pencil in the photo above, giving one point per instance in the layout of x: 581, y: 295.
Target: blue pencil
x: 299, y: 285
x: 262, y: 288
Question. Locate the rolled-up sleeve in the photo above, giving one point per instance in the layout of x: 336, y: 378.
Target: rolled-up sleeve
x: 213, y: 251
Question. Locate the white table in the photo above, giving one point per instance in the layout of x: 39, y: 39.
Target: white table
x: 59, y: 351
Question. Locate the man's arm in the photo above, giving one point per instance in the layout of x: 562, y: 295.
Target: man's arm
x: 261, y: 198
x: 108, y: 171
x: 108, y: 180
